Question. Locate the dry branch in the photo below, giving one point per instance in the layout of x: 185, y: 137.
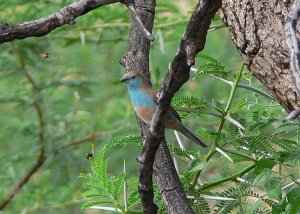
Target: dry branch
x: 91, y: 136
x: 45, y: 25
x: 192, y: 42
x: 65, y: 15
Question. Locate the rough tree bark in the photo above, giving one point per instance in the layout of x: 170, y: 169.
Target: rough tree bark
x: 257, y: 29
x: 192, y: 42
x: 137, y: 58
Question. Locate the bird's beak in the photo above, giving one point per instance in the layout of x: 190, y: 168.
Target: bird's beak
x: 124, y: 79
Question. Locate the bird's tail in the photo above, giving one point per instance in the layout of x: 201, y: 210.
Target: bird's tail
x: 191, y: 136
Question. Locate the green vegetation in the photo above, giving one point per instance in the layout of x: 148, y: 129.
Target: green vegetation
x: 70, y: 99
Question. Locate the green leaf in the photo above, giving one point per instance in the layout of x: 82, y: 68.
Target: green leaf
x: 93, y: 203
x: 202, y: 206
x: 184, y: 101
x: 199, y: 167
x: 118, y: 184
x: 124, y: 140
x: 100, y: 166
x: 280, y: 207
x: 273, y: 187
x: 96, y: 193
x: 134, y: 198
x: 207, y: 57
x: 262, y: 165
x: 219, y: 107
x: 293, y: 197
x: 254, y: 206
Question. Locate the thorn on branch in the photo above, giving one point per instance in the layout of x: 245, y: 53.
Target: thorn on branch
x: 293, y: 43
x: 130, y: 5
x: 292, y: 115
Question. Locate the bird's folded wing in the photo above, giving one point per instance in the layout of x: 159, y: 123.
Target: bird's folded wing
x: 171, y: 109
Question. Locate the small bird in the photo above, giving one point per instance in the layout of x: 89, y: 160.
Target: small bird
x: 143, y: 99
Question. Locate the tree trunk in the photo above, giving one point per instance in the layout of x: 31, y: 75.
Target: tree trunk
x: 257, y: 29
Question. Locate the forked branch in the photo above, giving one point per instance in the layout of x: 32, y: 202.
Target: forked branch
x: 192, y: 42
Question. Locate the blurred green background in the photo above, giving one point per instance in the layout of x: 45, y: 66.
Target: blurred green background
x: 79, y: 93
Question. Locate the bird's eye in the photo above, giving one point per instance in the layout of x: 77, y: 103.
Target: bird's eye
x: 133, y: 77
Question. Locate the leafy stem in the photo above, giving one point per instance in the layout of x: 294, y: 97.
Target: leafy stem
x: 226, y: 110
x: 229, y: 178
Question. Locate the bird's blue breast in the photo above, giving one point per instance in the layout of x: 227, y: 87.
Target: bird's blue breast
x: 141, y: 98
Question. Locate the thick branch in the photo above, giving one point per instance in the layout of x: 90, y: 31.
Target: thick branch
x: 258, y: 30
x: 136, y: 58
x: 145, y: 179
x: 192, y: 42
x: 43, y: 26
x: 293, y: 43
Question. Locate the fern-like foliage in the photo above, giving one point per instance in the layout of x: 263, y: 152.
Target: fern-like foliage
x: 211, y: 66
x: 101, y: 188
x: 123, y: 141
x: 134, y: 199
x: 189, y: 105
x: 184, y: 101
x: 246, y: 199
x: 246, y: 169
x: 201, y: 206
x: 183, y: 154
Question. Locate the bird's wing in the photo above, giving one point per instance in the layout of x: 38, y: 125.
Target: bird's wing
x: 175, y: 113
x: 171, y: 109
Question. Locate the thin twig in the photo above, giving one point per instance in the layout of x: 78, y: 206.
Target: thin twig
x: 85, y: 139
x: 240, y: 85
x: 136, y: 18
x: 239, y: 154
x: 41, y: 120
